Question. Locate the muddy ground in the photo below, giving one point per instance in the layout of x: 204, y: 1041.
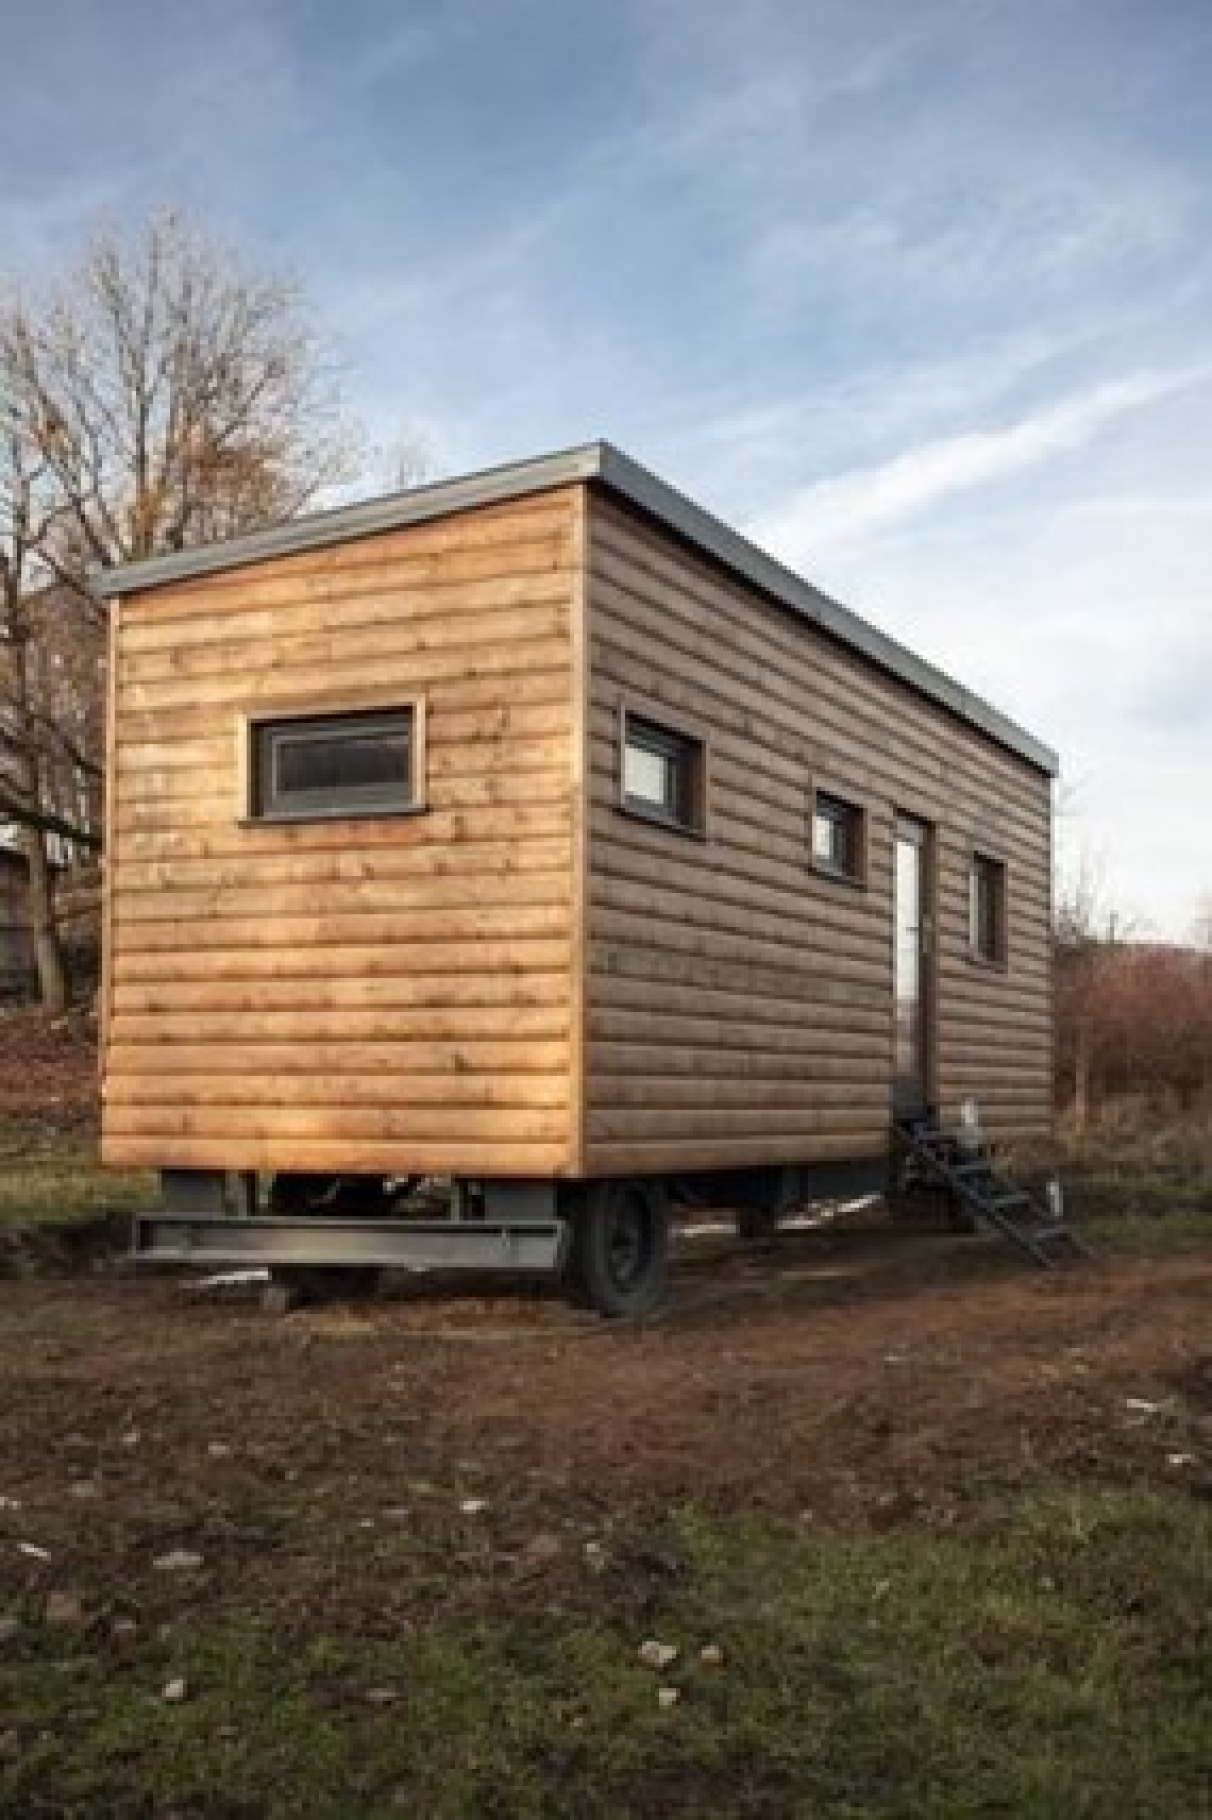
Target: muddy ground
x: 945, y: 1515
x: 857, y: 1380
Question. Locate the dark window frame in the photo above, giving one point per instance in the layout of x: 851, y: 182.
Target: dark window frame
x: 988, y: 922
x: 850, y: 817
x: 265, y: 736
x: 686, y: 749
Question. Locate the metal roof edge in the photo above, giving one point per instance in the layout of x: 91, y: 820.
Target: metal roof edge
x: 391, y: 511
x: 603, y: 462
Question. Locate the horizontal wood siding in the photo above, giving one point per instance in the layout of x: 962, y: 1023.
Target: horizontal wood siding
x: 384, y: 994
x: 739, y: 1003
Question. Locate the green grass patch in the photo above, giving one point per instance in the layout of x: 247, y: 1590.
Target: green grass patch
x: 1140, y: 1207
x: 65, y: 1187
x: 51, y: 1176
x: 1141, y: 1192
x: 1142, y: 1234
x: 1052, y: 1660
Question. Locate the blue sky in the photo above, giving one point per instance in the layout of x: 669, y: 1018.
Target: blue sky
x: 920, y: 295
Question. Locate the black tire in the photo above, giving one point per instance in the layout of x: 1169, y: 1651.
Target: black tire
x: 619, y: 1254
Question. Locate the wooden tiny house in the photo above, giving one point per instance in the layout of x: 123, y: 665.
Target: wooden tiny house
x: 536, y: 829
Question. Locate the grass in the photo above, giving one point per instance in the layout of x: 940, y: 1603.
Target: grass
x: 64, y: 1191
x: 1052, y: 1660
x: 51, y: 1176
x: 1141, y: 1160
x: 1130, y: 1200
x: 58, y: 1206
x: 1137, y: 1233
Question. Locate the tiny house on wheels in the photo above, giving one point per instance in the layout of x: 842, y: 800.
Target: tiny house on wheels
x: 536, y: 831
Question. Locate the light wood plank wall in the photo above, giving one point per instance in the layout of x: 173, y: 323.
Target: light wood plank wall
x: 740, y: 1005
x: 384, y: 995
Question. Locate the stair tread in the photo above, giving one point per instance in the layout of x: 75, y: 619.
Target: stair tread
x: 1022, y: 1219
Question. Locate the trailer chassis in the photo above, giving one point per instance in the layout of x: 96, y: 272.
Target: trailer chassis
x: 607, y: 1241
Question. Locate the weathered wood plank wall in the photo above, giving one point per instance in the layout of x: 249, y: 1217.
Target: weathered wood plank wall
x: 419, y: 994
x: 740, y: 1004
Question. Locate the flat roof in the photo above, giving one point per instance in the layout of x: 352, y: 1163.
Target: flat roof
x: 600, y: 463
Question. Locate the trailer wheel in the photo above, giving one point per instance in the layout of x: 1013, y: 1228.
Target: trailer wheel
x: 619, y: 1263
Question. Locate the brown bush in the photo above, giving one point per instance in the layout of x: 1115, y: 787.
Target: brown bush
x: 1132, y: 1018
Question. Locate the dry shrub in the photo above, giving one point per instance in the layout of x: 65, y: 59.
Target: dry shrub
x: 1134, y: 1030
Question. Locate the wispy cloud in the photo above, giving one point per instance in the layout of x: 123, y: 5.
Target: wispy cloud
x: 850, y: 505
x: 1090, y: 626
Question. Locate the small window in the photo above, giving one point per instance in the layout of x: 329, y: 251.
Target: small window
x: 837, y: 837
x: 663, y: 773
x: 987, y: 909
x: 334, y: 764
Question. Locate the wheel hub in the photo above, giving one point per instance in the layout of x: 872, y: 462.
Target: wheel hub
x: 629, y: 1242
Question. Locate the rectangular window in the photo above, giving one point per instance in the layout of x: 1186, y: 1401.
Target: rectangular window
x: 663, y: 773
x: 838, y: 837
x: 360, y: 763
x: 987, y: 909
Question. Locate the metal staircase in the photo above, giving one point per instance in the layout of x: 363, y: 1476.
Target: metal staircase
x: 946, y: 1160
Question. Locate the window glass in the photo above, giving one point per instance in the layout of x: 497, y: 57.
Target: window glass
x: 334, y: 763
x: 648, y: 775
x: 663, y: 772
x: 986, y: 908
x: 837, y: 836
x: 344, y: 761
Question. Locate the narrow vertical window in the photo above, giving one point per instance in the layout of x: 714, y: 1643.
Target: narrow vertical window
x: 838, y: 837
x: 987, y: 909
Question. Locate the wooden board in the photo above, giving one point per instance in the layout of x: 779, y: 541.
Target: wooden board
x: 382, y: 994
x: 740, y: 1003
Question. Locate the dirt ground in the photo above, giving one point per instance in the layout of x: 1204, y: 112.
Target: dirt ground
x: 48, y: 1068
x: 858, y: 1377
x: 400, y: 1554
x: 859, y: 1380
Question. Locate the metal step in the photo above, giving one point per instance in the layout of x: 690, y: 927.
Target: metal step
x: 989, y: 1197
x: 479, y: 1245
x: 1050, y: 1235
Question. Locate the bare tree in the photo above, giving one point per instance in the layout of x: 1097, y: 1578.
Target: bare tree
x: 173, y: 396
x: 1084, y: 932
x: 160, y: 395
x: 27, y: 729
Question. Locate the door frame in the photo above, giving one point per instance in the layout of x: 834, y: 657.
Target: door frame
x: 916, y: 828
